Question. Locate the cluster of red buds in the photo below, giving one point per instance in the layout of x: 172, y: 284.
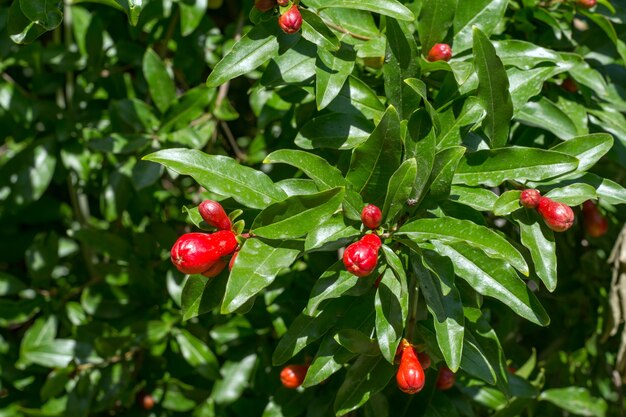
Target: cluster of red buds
x: 289, y: 21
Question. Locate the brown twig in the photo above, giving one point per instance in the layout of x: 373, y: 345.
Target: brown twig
x: 232, y: 141
x: 347, y: 32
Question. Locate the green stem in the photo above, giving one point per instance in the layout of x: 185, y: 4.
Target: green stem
x: 414, y: 291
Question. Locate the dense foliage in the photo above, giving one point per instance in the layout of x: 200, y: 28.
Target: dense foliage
x: 120, y: 116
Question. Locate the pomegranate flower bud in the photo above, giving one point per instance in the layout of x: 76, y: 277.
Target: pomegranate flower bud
x: 292, y: 376
x: 596, y: 224
x: 440, y: 52
x: 264, y: 5
x: 558, y: 216
x: 410, y: 376
x: 371, y: 216
x: 445, y: 379
x: 372, y: 240
x: 530, y: 198
x: 213, y: 213
x: 360, y: 258
x: 196, y: 253
x: 587, y: 4
x: 291, y: 20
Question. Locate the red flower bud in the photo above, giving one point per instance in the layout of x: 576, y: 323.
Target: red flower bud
x: 215, y: 269
x: 587, y: 4
x: 360, y: 258
x: 530, y: 198
x: 195, y: 253
x: 264, y: 5
x: 596, y: 224
x: 291, y: 20
x: 232, y: 261
x: 145, y: 400
x: 410, y: 376
x: 372, y: 240
x: 213, y: 213
x: 440, y: 52
x: 283, y: 3
x: 558, y: 216
x: 371, y: 216
x: 292, y: 376
x: 445, y: 379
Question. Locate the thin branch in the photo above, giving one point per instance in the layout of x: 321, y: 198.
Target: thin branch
x: 347, y: 32
x: 232, y: 141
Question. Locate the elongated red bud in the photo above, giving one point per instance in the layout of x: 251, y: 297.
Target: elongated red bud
x: 529, y: 198
x: 558, y: 216
x: 587, y: 4
x: 213, y: 213
x: 596, y: 224
x: 360, y: 258
x: 292, y: 376
x: 445, y: 379
x: 440, y: 52
x: 196, y: 253
x: 371, y: 216
x: 410, y: 376
x: 291, y: 20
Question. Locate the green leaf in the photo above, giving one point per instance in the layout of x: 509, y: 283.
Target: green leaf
x: 162, y: 89
x: 315, y: 167
x: 331, y: 234
x: 494, y: 278
x: 451, y: 230
x: 253, y: 50
x: 330, y: 358
x: 483, y: 355
x: 197, y: 354
x: 367, y: 376
x: 21, y: 29
x: 454, y: 128
x: 334, y: 130
x: 391, y: 8
x: 609, y: 191
x: 51, y: 354
x: 399, y: 189
x: 191, y: 15
x: 475, y: 197
x: 258, y: 263
x: 507, y: 203
x: 434, y: 21
x: 333, y: 283
x: 573, y: 194
x: 575, y: 400
x: 43, y: 331
x: 493, y: 167
x: 392, y: 306
x: 493, y: 90
x: 419, y: 87
x: 202, y: 295
x: 444, y: 167
x: 539, y: 240
x: 544, y: 114
x: 482, y: 14
x: 45, y: 13
x: 587, y: 149
x: 526, y: 84
x: 357, y: 342
x: 315, y: 30
x: 10, y: 285
x: 436, y: 281
x: 306, y: 329
x: 297, y: 215
x: 222, y: 175
x: 332, y: 69
x: 236, y: 377
x: 374, y: 161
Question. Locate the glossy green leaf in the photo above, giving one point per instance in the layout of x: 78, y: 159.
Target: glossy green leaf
x: 236, y: 377
x: 257, y: 265
x: 434, y: 21
x: 57, y: 353
x: 45, y: 13
x: 526, y: 84
x: 494, y: 278
x: 315, y: 167
x: 197, y: 354
x: 306, y: 329
x: 374, y: 161
x: 400, y: 188
x: 202, y: 295
x: 493, y: 90
x: 222, y: 175
x: 332, y: 234
x: 454, y: 128
x: 573, y: 194
x: 337, y: 131
x: 191, y: 15
x: 332, y: 69
x: 539, y: 240
x: 575, y: 400
x: 444, y: 167
x: 587, y: 149
x: 368, y: 375
x: 392, y: 305
x: 475, y: 197
x: 161, y: 87
x: 546, y: 115
x: 451, y: 230
x: 436, y: 282
x: 333, y: 283
x: 357, y: 342
x: 493, y: 167
x: 315, y: 30
x: 391, y: 8
x: 507, y: 203
x: 482, y: 14
x: 297, y: 215
x: 419, y: 87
